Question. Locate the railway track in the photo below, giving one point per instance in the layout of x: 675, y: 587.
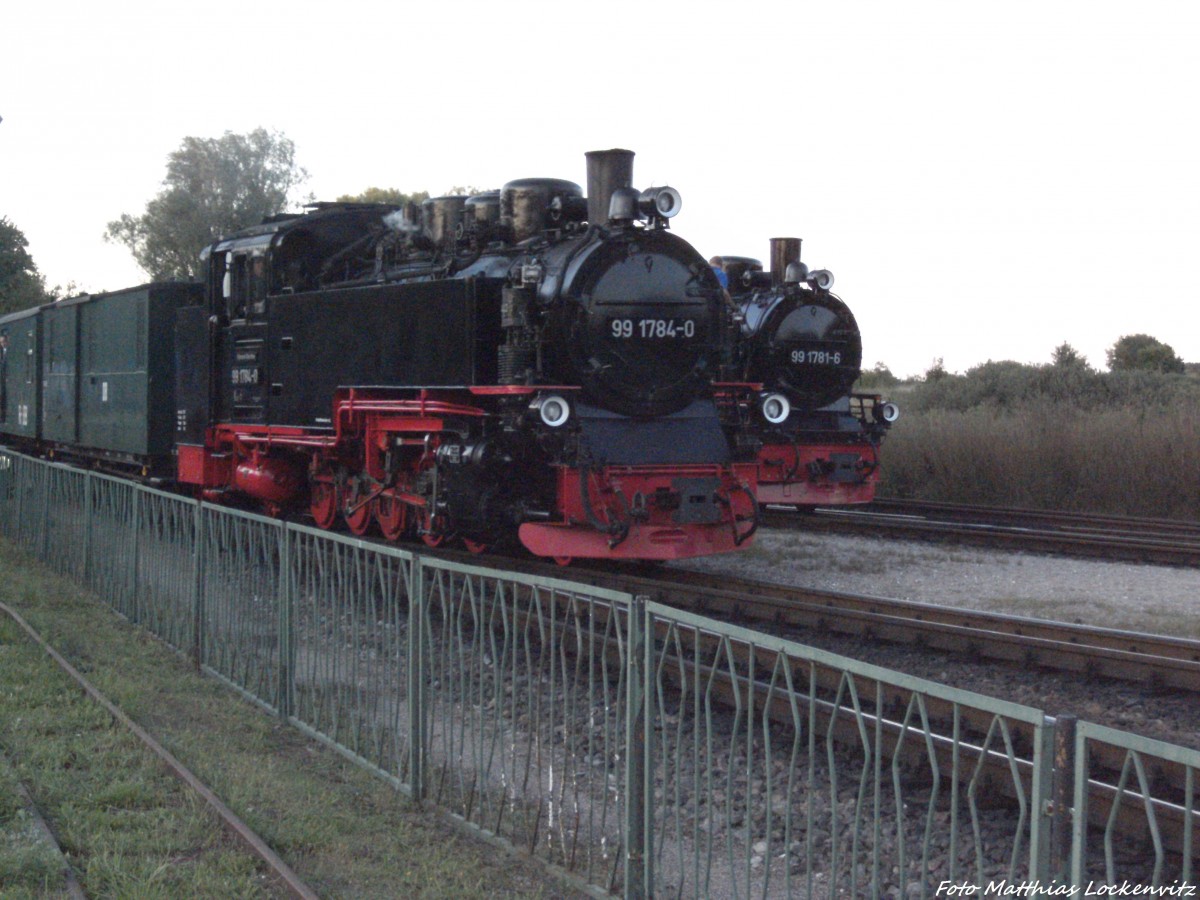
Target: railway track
x: 1159, y: 541
x: 1161, y: 662
x: 287, y: 878
x: 1155, y: 662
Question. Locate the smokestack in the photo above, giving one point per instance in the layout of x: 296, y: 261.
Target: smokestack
x: 607, y: 170
x: 784, y: 251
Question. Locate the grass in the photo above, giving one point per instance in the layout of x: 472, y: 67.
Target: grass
x: 1120, y: 460
x: 130, y: 829
x: 30, y: 864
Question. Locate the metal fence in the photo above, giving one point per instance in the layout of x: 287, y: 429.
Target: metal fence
x: 637, y: 748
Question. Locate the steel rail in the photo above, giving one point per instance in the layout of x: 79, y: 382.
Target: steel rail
x: 844, y: 725
x: 1024, y: 516
x: 1159, y: 661
x: 1146, y: 541
x: 71, y: 883
x: 229, y: 818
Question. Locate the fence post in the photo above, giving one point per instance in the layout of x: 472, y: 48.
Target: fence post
x: 1062, y: 788
x: 44, y: 520
x: 286, y: 637
x: 1079, y: 821
x: 20, y: 482
x: 416, y: 678
x: 639, y: 832
x: 198, y: 567
x: 89, y: 525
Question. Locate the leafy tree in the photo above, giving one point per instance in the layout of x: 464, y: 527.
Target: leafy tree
x: 213, y: 187
x: 21, y: 285
x: 384, y: 195
x: 1066, y: 357
x: 878, y: 377
x: 397, y: 197
x: 937, y: 371
x: 1141, y: 352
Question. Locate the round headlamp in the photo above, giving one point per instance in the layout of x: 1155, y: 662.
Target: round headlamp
x: 554, y: 410
x: 887, y: 412
x: 775, y: 408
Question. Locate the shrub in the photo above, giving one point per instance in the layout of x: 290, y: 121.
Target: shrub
x: 1123, y: 461
x: 1051, y: 437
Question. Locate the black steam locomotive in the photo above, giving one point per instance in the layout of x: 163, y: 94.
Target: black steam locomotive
x: 524, y: 361
x: 818, y: 439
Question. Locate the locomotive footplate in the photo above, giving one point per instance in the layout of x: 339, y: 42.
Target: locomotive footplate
x: 648, y: 513
x: 560, y: 540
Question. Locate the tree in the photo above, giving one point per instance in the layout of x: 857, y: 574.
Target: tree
x: 384, y: 195
x: 937, y: 371
x: 1067, y: 357
x: 879, y: 377
x: 21, y: 285
x: 213, y: 187
x: 1141, y: 352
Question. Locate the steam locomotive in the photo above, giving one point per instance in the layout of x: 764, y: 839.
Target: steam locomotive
x: 524, y: 363
x: 818, y: 440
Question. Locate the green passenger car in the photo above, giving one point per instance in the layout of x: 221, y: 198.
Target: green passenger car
x: 20, y: 375
x: 109, y: 373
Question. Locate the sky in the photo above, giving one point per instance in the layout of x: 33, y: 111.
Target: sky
x: 985, y: 180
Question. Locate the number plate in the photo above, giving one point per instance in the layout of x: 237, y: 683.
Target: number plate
x: 652, y: 329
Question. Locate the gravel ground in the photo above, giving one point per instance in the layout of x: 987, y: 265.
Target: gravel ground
x: 1158, y: 599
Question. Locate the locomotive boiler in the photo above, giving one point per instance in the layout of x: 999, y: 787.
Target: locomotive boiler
x: 527, y: 362
x: 818, y: 439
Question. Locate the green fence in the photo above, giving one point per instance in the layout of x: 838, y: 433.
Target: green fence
x: 637, y: 748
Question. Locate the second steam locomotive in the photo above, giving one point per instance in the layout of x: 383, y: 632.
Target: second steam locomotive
x: 819, y: 440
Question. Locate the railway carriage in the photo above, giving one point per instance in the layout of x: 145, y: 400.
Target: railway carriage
x: 20, y: 375
x: 92, y: 377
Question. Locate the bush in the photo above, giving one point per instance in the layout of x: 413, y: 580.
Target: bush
x: 1051, y: 437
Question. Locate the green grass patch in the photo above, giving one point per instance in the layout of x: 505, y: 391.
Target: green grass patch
x: 30, y: 865
x: 130, y: 829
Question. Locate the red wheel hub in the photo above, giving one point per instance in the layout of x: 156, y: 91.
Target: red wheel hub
x: 392, y: 516
x: 356, y: 513
x: 323, y: 502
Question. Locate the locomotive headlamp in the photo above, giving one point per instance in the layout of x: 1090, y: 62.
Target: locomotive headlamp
x: 821, y: 278
x: 776, y: 408
x: 553, y: 410
x: 660, y: 202
x: 887, y: 412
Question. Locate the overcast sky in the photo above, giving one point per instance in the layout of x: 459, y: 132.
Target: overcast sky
x: 985, y: 180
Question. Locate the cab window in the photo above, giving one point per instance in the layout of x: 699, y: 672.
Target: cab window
x: 245, y: 285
